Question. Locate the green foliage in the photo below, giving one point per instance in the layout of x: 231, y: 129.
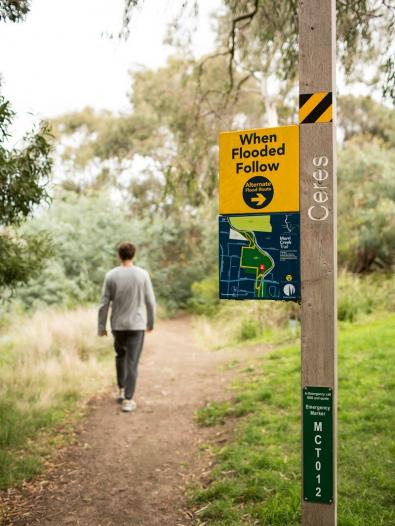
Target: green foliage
x: 359, y: 296
x: 21, y: 258
x: 256, y: 478
x: 104, y: 135
x: 24, y: 175
x: 189, y: 167
x: 177, y: 250
x: 362, y: 116
x: 261, y: 37
x: 366, y: 205
x: 127, y: 16
x: 204, y: 296
x: 178, y: 111
x: 265, y: 38
x: 212, y: 414
x: 86, y: 231
x: 249, y: 329
x: 50, y: 287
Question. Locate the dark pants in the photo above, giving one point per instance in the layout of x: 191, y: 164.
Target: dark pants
x: 128, y: 346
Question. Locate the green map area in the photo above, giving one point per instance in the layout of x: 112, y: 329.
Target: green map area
x: 254, y: 259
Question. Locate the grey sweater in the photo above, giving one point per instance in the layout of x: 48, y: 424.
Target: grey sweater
x: 130, y: 292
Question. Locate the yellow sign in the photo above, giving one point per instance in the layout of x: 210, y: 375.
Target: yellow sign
x: 259, y: 170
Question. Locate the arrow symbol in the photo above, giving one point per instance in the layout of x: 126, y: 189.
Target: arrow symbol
x: 259, y: 199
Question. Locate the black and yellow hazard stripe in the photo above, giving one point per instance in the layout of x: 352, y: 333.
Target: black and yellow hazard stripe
x: 315, y: 107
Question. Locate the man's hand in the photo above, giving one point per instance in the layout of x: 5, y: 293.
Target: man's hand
x: 103, y: 333
x: 150, y: 329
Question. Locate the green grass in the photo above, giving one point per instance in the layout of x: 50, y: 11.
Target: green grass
x: 256, y: 480
x: 27, y: 439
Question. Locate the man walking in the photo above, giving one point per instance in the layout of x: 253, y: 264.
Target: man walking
x: 129, y: 290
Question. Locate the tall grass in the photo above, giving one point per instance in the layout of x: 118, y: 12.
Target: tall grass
x: 48, y: 363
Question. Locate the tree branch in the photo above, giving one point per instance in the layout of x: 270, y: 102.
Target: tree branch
x: 232, y: 39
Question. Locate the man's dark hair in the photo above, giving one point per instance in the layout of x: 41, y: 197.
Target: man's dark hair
x: 126, y: 251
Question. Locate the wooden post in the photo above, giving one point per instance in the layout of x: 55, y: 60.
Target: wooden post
x: 317, y: 52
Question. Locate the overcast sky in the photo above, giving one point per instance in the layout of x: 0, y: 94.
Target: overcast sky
x: 59, y: 61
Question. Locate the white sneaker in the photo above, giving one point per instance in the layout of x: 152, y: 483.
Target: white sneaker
x: 120, y: 396
x: 128, y: 405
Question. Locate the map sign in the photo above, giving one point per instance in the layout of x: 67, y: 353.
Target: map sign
x: 259, y: 256
x: 259, y: 170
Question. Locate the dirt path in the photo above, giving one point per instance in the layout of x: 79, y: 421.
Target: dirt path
x: 131, y: 469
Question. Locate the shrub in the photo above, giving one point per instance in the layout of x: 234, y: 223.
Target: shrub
x: 85, y: 229
x: 249, y: 329
x: 366, y: 225
x: 205, y: 298
x: 358, y: 295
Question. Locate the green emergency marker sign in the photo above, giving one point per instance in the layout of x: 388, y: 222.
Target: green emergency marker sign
x: 318, y: 444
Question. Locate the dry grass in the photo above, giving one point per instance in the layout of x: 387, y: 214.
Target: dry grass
x: 54, y: 354
x: 49, y: 363
x: 238, y: 321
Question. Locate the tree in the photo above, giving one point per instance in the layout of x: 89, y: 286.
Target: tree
x: 366, y: 193
x: 179, y: 109
x: 24, y: 176
x: 366, y: 205
x: 177, y: 250
x: 24, y: 173
x: 364, y: 116
x: 260, y: 37
x: 177, y: 113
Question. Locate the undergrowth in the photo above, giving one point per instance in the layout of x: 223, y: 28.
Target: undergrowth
x: 48, y: 364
